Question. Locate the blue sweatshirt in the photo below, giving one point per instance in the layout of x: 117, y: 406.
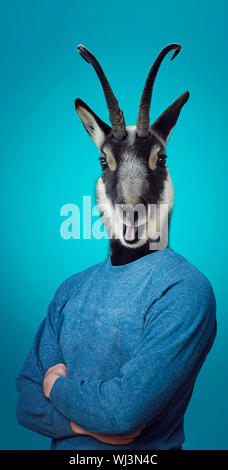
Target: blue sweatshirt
x: 133, y: 338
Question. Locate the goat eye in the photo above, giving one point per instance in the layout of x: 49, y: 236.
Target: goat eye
x: 103, y: 162
x: 161, y: 161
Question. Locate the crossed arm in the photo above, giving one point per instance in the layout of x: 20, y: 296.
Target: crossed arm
x: 60, y: 370
x: 44, y: 362
x: 55, y: 405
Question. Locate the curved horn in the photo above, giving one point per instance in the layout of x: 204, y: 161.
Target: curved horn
x: 115, y: 114
x: 143, y: 119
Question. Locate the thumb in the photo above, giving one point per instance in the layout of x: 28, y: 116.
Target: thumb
x: 76, y: 428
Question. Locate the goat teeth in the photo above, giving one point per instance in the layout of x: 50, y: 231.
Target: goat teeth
x: 130, y: 232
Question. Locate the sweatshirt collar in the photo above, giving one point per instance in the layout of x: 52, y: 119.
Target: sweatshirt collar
x: 135, y: 264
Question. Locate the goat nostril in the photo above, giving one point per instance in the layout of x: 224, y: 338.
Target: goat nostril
x: 120, y: 201
x: 144, y: 202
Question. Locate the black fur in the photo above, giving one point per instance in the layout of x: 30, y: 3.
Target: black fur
x: 140, y: 149
x: 122, y: 255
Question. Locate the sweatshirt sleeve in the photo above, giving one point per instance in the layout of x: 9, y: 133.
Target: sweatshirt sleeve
x: 179, y: 331
x: 34, y: 410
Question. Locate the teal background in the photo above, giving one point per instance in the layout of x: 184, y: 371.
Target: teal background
x: 47, y: 160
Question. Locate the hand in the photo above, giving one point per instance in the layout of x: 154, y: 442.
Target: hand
x: 53, y: 373
x: 107, y: 438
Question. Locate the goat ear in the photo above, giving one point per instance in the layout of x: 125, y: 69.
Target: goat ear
x: 96, y: 128
x: 165, y: 123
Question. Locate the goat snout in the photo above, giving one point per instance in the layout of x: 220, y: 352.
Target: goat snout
x: 131, y: 214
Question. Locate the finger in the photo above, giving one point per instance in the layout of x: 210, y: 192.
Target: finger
x: 78, y: 429
x: 134, y: 434
x: 60, y: 369
x: 60, y: 366
x: 127, y: 441
x: 114, y: 441
x: 114, y: 436
x: 111, y: 436
x: 120, y: 442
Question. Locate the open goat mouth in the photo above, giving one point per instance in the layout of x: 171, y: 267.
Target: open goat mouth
x: 133, y: 233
